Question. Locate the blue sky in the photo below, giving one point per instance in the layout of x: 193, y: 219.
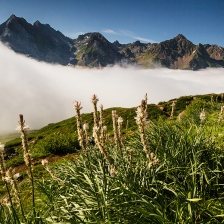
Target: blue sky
x: 200, y: 21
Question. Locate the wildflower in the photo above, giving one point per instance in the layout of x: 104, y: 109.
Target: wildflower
x: 152, y: 155
x: 221, y: 114
x: 119, y: 120
x: 2, y: 147
x: 212, y: 101
x: 27, y: 155
x: 16, y: 176
x: 94, y: 100
x: 6, y: 202
x: 202, y: 115
x: 96, y: 129
x: 172, y: 111
x: 101, y: 116
x: 131, y: 157
x: 25, y: 127
x: 11, y: 177
x: 85, y: 126
x: 141, y: 120
x: 81, y: 138
x: 154, y: 160
x: 181, y: 115
x: 116, y: 128
x: 99, y: 143
x: 2, y: 162
x: 44, y: 162
x: 113, y: 171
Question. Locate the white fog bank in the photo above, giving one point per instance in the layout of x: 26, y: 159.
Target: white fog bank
x: 45, y: 93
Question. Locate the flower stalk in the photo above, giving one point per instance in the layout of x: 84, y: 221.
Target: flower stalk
x: 99, y: 133
x: 45, y: 163
x: 221, y: 115
x: 3, y: 175
x: 141, y: 120
x: 117, y: 124
x: 202, y: 115
x: 11, y: 177
x: 23, y: 128
x: 83, y: 139
x: 172, y: 109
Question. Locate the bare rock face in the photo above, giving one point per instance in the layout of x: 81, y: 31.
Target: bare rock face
x: 43, y: 43
x: 38, y: 41
x: 95, y: 50
x: 215, y: 51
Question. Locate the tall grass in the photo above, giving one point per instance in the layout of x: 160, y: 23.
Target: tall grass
x: 166, y: 172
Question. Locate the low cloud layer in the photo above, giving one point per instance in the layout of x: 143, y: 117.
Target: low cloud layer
x: 45, y: 93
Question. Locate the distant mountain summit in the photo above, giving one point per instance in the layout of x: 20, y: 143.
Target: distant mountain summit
x: 38, y: 41
x: 43, y: 43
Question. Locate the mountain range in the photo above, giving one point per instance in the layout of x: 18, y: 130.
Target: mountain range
x: 43, y: 43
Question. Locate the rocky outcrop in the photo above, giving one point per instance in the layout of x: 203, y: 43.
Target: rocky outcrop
x: 38, y: 41
x: 94, y: 50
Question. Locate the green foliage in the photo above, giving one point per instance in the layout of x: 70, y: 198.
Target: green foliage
x: 15, y: 161
x: 185, y: 186
x: 13, y: 143
x: 57, y: 144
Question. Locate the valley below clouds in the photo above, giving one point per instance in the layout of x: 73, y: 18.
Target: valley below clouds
x: 44, y: 93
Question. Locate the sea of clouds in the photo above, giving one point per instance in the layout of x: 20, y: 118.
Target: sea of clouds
x: 44, y: 93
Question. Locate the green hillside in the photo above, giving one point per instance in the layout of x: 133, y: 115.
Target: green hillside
x: 168, y: 169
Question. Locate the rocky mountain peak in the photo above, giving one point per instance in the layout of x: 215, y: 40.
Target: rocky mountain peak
x: 37, y: 23
x: 42, y: 42
x: 137, y: 43
x: 180, y: 37
x: 14, y: 19
x: 117, y: 44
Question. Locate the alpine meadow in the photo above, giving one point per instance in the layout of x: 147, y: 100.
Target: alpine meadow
x: 100, y: 131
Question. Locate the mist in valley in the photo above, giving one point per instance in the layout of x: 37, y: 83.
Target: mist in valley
x: 45, y: 93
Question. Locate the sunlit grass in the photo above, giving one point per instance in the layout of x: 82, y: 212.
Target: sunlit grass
x: 161, y: 171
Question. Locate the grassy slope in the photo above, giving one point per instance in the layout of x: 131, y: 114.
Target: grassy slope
x: 61, y: 138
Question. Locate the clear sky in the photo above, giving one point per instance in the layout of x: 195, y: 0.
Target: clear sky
x: 200, y: 21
